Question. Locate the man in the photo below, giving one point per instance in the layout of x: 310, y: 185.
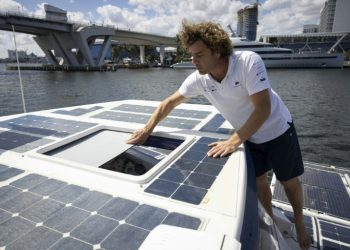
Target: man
x: 237, y: 85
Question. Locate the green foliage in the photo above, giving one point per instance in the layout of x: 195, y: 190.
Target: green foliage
x: 347, y: 55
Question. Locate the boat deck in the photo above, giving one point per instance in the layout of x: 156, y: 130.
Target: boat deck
x: 326, y: 204
x: 48, y: 201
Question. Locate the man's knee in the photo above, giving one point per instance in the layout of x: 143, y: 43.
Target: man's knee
x: 261, y: 180
x: 291, y: 183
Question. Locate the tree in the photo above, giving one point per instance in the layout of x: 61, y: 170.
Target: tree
x: 116, y: 52
x: 347, y: 55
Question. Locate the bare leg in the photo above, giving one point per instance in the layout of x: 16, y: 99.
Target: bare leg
x: 264, y: 193
x: 294, y: 194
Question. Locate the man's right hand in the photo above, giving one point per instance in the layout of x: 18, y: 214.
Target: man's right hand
x: 139, y: 136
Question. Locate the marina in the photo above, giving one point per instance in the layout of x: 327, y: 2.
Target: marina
x: 69, y: 180
x: 49, y: 67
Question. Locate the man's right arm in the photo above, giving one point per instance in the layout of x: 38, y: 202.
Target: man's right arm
x: 165, y: 107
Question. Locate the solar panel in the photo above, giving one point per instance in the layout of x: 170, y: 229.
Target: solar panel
x: 329, y: 196
x: 77, y: 111
x: 181, y: 220
x: 20, y: 142
x: 189, y: 194
x: 135, y: 108
x: 323, y: 179
x: 189, y: 178
x: 29, y: 181
x: 70, y: 243
x: 195, y: 114
x: 214, y: 125
x: 94, y: 229
x: 39, y: 238
x: 123, y: 117
x: 45, y: 126
x: 200, y: 180
x: 308, y: 222
x: 37, y: 212
x: 7, y: 172
x: 334, y: 232
x: 162, y: 188
x: 4, y: 216
x: 143, y: 118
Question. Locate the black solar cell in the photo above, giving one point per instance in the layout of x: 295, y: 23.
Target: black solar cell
x: 76, y: 218
x: 329, y: 196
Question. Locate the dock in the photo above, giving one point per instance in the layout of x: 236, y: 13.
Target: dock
x: 50, y: 67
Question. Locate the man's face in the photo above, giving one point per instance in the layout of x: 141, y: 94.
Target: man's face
x: 202, y: 57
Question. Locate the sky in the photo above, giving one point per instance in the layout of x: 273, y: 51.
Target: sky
x: 163, y: 16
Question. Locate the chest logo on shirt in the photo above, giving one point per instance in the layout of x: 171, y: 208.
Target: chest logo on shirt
x: 236, y: 84
x: 211, y: 88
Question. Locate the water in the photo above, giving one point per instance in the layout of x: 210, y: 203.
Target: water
x: 318, y: 99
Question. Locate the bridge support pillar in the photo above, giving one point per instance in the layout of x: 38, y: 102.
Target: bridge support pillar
x: 104, y: 49
x: 75, y: 47
x: 142, y: 54
x: 162, y: 54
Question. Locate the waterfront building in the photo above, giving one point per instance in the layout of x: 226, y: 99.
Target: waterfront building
x: 247, y: 22
x: 311, y: 28
x: 333, y: 34
x: 320, y: 42
x: 21, y: 54
x: 335, y: 16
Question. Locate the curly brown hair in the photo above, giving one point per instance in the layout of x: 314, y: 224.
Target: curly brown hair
x: 212, y: 35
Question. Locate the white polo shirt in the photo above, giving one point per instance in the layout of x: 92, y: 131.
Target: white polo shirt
x: 246, y: 76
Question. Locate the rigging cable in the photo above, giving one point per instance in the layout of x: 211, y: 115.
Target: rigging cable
x: 19, y: 70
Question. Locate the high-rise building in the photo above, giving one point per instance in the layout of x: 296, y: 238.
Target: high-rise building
x: 247, y: 22
x: 310, y: 28
x: 335, y: 16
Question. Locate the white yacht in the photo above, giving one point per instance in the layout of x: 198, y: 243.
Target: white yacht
x: 68, y: 180
x: 275, y: 57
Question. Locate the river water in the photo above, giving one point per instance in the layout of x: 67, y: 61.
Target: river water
x: 317, y: 98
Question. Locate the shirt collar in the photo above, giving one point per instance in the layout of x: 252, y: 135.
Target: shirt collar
x: 231, y: 64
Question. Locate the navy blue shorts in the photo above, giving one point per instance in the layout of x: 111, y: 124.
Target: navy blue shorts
x: 281, y: 154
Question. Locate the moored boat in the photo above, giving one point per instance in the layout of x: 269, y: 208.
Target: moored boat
x: 275, y: 57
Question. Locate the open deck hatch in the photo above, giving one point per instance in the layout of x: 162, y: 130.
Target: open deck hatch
x: 107, y: 149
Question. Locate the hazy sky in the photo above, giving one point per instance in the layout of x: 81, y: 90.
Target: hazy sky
x: 164, y: 16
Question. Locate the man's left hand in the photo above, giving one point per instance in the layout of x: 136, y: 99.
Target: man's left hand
x: 222, y: 148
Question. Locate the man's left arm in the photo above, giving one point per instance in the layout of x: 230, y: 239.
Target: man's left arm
x: 262, y: 108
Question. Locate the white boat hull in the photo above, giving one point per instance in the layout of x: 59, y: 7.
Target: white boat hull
x: 312, y: 60
x: 304, y: 61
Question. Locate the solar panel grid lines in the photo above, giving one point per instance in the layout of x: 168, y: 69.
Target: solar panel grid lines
x: 214, y: 125
x: 77, y: 111
x: 28, y: 132
x: 7, y: 173
x: 179, y: 112
x: 190, y: 177
x: 330, y: 197
x: 20, y: 142
x: 323, y: 179
x: 309, y: 222
x: 33, y: 206
x: 143, y: 118
x: 334, y: 235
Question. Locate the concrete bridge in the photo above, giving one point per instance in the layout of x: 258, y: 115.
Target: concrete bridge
x: 72, y: 42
